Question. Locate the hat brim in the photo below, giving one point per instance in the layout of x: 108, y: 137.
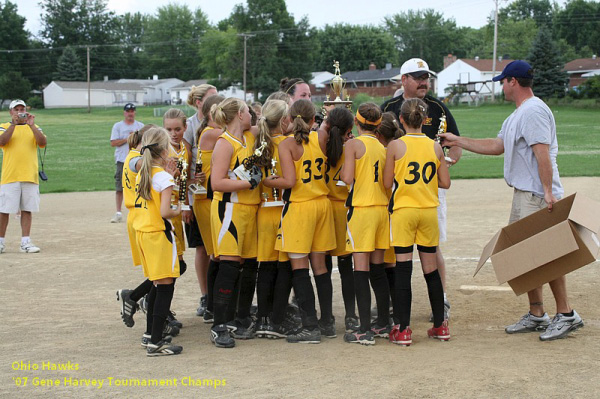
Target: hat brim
x: 421, y: 73
x: 499, y: 77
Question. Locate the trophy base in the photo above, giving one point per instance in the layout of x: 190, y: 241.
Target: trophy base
x: 270, y: 204
x: 197, y: 189
x: 448, y: 159
x: 242, y: 173
x: 339, y: 102
x: 185, y: 207
x: 341, y: 183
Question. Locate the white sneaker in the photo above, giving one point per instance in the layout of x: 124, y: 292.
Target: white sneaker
x: 29, y: 248
x: 561, y: 326
x: 118, y: 218
x: 2, y: 247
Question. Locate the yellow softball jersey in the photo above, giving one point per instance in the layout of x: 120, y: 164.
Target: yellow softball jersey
x: 415, y: 174
x: 310, y: 173
x: 368, y: 188
x: 267, y: 170
x: 128, y: 180
x: 241, y: 151
x: 205, y: 157
x: 332, y: 176
x: 148, y: 216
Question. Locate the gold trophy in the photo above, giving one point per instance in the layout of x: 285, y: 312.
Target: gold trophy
x: 442, y: 129
x: 276, y: 199
x: 337, y: 85
x: 181, y: 185
x: 243, y: 171
x: 198, y: 188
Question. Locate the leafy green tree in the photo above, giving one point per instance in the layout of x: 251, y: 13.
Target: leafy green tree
x: 69, y: 66
x: 131, y: 30
x: 591, y: 87
x: 579, y: 24
x: 355, y: 47
x: 550, y: 80
x: 13, y: 85
x: 220, y: 57
x: 541, y: 11
x: 13, y: 36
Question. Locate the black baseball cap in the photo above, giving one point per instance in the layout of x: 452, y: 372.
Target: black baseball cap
x: 516, y: 69
x: 129, y: 107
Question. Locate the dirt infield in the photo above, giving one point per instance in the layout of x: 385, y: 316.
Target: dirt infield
x: 59, y: 311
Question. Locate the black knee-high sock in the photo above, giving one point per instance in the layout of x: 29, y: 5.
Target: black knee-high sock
x: 363, y: 298
x: 306, y: 297
x: 233, y: 304
x: 141, y: 290
x: 150, y: 311
x: 329, y: 264
x: 281, y: 294
x: 162, y: 304
x: 389, y: 272
x: 247, y: 287
x: 381, y: 289
x: 436, y: 296
x: 403, y: 275
x: 213, y: 270
x: 325, y: 293
x: 223, y: 292
x: 347, y: 278
x: 182, y: 267
x: 265, y: 285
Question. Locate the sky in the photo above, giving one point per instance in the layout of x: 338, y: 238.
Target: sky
x: 473, y: 13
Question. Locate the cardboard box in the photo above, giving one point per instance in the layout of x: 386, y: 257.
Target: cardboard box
x: 545, y: 245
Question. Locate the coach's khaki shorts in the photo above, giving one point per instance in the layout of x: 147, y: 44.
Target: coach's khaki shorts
x: 441, y: 213
x: 17, y: 196
x: 524, y: 204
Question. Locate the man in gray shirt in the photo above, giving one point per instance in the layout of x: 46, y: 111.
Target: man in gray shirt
x: 118, y: 139
x: 528, y: 141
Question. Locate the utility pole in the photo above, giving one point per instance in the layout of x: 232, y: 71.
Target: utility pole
x: 245, y: 36
x: 88, y: 80
x: 495, y: 49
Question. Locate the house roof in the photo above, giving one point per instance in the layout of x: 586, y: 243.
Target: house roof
x: 485, y: 65
x: 148, y: 82
x: 101, y: 85
x: 190, y: 83
x: 369, y: 75
x: 582, y: 65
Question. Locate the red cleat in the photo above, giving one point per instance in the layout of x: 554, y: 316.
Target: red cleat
x: 398, y: 337
x: 442, y: 332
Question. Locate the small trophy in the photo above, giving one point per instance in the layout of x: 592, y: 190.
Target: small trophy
x: 243, y: 171
x: 337, y: 85
x: 182, y: 185
x: 276, y: 199
x: 198, y: 188
x: 442, y: 129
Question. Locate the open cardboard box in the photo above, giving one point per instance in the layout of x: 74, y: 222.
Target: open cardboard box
x: 545, y: 245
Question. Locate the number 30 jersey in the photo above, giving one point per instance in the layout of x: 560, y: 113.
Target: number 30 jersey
x: 415, y: 174
x: 368, y: 188
x: 310, y: 173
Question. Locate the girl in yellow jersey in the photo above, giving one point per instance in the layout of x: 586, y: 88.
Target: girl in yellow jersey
x: 338, y: 126
x: 367, y: 223
x: 208, y: 133
x: 306, y: 220
x: 154, y: 236
x: 415, y: 168
x: 233, y: 209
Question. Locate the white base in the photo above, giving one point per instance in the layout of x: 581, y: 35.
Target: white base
x: 341, y: 183
x: 185, y: 207
x: 269, y: 204
x: 242, y: 173
x: 197, y: 189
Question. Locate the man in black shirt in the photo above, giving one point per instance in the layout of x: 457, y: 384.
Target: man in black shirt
x: 415, y: 81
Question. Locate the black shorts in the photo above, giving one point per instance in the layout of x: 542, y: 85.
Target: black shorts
x: 192, y: 232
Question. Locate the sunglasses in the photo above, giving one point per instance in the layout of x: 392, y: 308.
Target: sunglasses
x: 420, y: 78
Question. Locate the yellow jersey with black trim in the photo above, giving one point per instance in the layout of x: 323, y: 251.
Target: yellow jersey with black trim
x: 205, y: 157
x: 332, y: 176
x: 128, y: 180
x: 266, y: 171
x: 20, y: 159
x: 241, y: 151
x: 310, y: 173
x: 368, y: 188
x: 415, y: 174
x: 147, y: 212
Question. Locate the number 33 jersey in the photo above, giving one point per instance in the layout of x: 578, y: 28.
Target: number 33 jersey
x: 415, y: 174
x: 368, y: 188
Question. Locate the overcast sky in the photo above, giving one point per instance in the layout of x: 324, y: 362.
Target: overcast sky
x: 472, y: 13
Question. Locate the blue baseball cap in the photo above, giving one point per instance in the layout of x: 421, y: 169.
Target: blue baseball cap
x: 516, y: 69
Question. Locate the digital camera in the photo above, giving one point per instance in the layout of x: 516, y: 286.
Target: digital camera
x: 22, y: 118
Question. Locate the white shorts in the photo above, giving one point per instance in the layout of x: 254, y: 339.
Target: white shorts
x: 17, y: 196
x: 441, y: 211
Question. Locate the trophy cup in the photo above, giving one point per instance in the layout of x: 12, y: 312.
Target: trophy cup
x: 276, y: 199
x: 198, y: 188
x: 442, y: 129
x: 243, y: 171
x: 337, y: 85
x: 181, y: 185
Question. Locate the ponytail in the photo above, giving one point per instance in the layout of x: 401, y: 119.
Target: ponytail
x: 302, y: 112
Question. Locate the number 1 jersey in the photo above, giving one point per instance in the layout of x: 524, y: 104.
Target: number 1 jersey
x: 368, y: 188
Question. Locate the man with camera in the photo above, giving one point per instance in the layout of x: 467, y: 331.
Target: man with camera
x: 19, y: 185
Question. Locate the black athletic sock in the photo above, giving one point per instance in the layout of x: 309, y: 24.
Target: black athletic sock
x: 141, y: 290
x: 403, y: 275
x: 235, y: 297
x: 182, y: 267
x: 329, y: 264
x: 306, y: 297
x: 281, y: 294
x: 150, y: 311
x: 325, y: 293
x: 347, y: 278
x: 570, y: 314
x: 436, y: 296
x: 363, y: 299
x: 381, y: 289
x: 211, y: 275
x: 223, y: 292
x: 390, y: 274
x: 164, y: 295
x: 247, y: 287
x: 267, y: 272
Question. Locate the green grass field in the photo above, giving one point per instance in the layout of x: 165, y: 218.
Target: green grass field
x: 79, y: 156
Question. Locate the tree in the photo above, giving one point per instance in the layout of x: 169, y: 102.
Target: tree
x: 131, y: 31
x: 579, y: 24
x: 14, y: 85
x: 590, y: 88
x: 545, y: 59
x: 541, y: 11
x: 220, y: 57
x: 69, y: 66
x: 353, y: 46
x: 13, y: 36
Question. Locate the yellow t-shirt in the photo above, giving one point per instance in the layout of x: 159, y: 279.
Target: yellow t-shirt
x: 368, y: 188
x: 129, y: 180
x: 310, y: 173
x: 19, y: 160
x: 147, y: 217
x: 336, y: 193
x: 415, y: 174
